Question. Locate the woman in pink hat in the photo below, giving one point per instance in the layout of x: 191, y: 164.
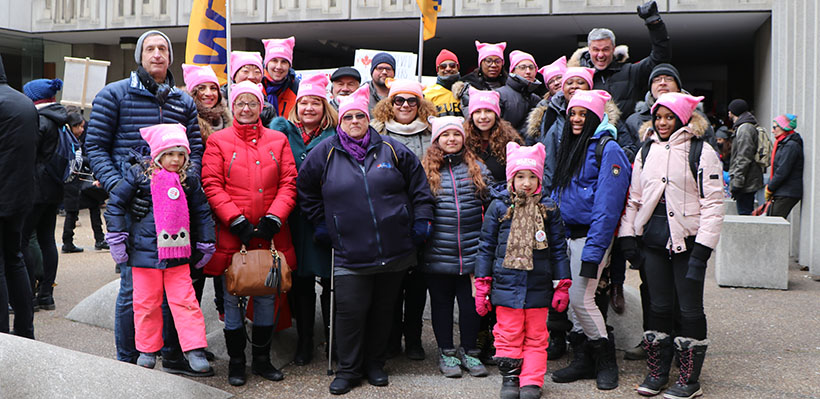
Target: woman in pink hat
x: 489, y: 75
x: 487, y: 133
x: 212, y: 108
x: 280, y: 81
x: 518, y: 95
x: 403, y: 115
x: 247, y: 65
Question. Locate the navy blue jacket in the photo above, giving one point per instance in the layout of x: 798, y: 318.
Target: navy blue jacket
x: 520, y: 289
x: 787, y: 168
x: 369, y: 209
x: 142, y: 234
x: 119, y: 111
x: 458, y: 215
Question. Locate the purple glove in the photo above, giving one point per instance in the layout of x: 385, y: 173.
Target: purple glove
x: 207, y: 249
x: 116, y: 241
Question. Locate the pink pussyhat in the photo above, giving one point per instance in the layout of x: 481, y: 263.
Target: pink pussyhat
x: 682, y: 105
x: 583, y: 73
x: 246, y: 86
x: 242, y: 58
x: 517, y: 56
x: 405, y: 86
x: 525, y: 158
x: 359, y: 100
x: 315, y: 85
x: 556, y: 68
x: 593, y: 100
x: 282, y: 48
x: 444, y: 123
x: 195, y: 75
x: 164, y: 137
x: 484, y: 99
x: 487, y: 49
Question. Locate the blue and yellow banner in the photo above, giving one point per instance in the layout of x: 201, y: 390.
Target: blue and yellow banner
x: 429, y: 13
x: 207, y: 43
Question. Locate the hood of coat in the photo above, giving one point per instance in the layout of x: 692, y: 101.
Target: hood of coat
x: 522, y: 85
x: 745, y: 117
x: 3, y: 78
x: 56, y: 112
x: 557, y: 103
x: 697, y: 126
x: 581, y: 58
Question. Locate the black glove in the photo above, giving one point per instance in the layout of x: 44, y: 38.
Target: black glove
x: 649, y: 12
x: 140, y: 205
x: 422, y: 228
x: 697, y: 262
x: 243, y: 229
x: 268, y: 226
x: 630, y: 250
x: 321, y: 234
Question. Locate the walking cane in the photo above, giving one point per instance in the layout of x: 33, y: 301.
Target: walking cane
x: 332, y: 308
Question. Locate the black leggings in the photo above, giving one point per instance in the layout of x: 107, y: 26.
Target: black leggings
x: 42, y: 221
x: 444, y: 288
x: 666, y: 279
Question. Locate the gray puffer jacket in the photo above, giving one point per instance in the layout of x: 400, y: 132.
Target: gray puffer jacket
x: 745, y: 174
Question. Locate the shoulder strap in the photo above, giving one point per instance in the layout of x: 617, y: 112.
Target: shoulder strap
x: 695, y: 149
x: 645, y: 147
x: 599, y: 150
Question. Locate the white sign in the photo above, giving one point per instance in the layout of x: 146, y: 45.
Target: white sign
x: 84, y: 78
x: 405, y: 63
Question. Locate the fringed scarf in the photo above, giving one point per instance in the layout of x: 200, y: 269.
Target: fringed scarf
x: 526, y: 230
x: 170, y: 216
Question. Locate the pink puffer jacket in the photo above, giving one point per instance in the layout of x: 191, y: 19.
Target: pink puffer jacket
x: 690, y: 212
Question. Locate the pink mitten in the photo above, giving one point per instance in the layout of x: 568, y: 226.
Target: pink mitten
x: 483, y: 285
x: 560, y: 297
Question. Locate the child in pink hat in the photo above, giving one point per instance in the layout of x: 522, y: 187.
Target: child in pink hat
x: 518, y: 282
x: 160, y: 261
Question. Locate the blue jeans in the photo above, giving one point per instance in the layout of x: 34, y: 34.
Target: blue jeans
x: 745, y: 202
x: 262, y: 310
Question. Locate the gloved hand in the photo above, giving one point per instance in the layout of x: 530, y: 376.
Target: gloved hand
x: 649, y: 12
x: 769, y: 195
x: 422, y: 228
x: 629, y: 248
x: 697, y: 262
x: 243, y: 229
x: 116, y: 242
x: 560, y: 296
x: 140, y: 205
x: 320, y: 234
x: 483, y: 285
x: 207, y: 249
x: 268, y: 226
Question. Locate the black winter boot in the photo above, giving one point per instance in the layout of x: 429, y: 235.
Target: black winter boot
x: 260, y: 365
x: 658, y: 347
x: 235, y: 343
x: 582, y: 366
x: 691, y: 353
x: 510, y: 369
x: 606, y: 367
x: 557, y: 345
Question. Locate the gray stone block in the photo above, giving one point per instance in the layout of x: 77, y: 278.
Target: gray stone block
x: 98, y: 308
x: 729, y: 207
x: 628, y: 326
x: 33, y: 369
x: 753, y: 252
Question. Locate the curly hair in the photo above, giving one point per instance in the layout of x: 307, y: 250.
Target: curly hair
x: 501, y: 134
x: 182, y: 172
x: 433, y: 160
x: 383, y: 111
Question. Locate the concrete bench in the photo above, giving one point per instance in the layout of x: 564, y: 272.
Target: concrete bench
x: 753, y: 252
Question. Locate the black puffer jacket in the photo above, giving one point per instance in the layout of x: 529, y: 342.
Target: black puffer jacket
x: 18, y: 141
x: 50, y: 166
x: 518, y: 98
x: 457, y: 218
x: 787, y: 168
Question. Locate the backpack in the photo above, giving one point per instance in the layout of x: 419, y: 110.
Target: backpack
x: 763, y: 155
x: 695, y: 150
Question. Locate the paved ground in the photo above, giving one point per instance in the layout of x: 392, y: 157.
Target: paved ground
x: 765, y: 344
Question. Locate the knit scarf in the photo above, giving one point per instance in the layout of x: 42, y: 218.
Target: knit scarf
x: 526, y: 230
x: 307, y: 137
x: 409, y: 129
x: 170, y: 216
x: 357, y: 148
x: 774, y: 151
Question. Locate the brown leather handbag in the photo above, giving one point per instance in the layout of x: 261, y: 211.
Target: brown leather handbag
x: 258, y: 272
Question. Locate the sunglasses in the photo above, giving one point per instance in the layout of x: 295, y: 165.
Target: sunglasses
x: 445, y: 65
x: 349, y: 117
x: 411, y: 102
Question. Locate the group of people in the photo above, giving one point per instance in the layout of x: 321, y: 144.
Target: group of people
x: 519, y: 198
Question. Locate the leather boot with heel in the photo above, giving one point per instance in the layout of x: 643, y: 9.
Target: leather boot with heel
x: 260, y: 364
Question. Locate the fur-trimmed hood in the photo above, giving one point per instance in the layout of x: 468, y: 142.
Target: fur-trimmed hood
x: 558, y: 104
x: 697, y: 126
x: 581, y: 58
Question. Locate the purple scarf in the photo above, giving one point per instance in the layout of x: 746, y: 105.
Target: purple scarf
x: 357, y: 148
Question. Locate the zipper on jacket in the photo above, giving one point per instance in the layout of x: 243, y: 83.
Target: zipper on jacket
x: 160, y: 114
x: 700, y: 182
x: 231, y: 164
x: 338, y: 235
x: 274, y: 159
x: 372, y: 211
x: 458, y: 217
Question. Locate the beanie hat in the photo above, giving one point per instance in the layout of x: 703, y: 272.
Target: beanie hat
x: 444, y: 123
x: 242, y: 58
x: 138, y: 49
x: 359, y: 100
x: 42, y: 89
x: 516, y: 57
x: 665, y: 69
x: 593, y: 100
x: 787, y: 122
x: 282, y: 48
x: 195, y: 75
x: 382, y: 58
x: 315, y: 85
x: 525, y: 158
x: 246, y: 86
x: 681, y: 104
x: 580, y: 72
x: 723, y: 133
x: 165, y: 137
x: 487, y: 49
x: 405, y: 86
x: 445, y: 55
x: 346, y: 71
x: 556, y: 68
x: 738, y: 106
x: 487, y: 99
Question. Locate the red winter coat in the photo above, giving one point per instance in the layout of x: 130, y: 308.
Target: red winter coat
x: 248, y: 170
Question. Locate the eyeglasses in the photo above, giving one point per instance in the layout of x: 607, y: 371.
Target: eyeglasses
x: 663, y: 78
x: 446, y: 65
x: 242, y: 105
x: 411, y: 102
x: 527, y: 67
x: 349, y: 117
x: 384, y: 68
x: 493, y: 61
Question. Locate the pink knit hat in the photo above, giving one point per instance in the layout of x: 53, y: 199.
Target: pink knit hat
x: 682, y: 105
x: 195, y: 75
x: 556, y: 68
x: 282, y: 48
x: 359, y: 100
x: 517, y: 56
x: 525, y: 158
x: 593, y: 100
x: 487, y: 49
x: 405, y: 86
x: 315, y: 85
x: 444, y: 123
x: 164, y: 137
x: 242, y: 58
x: 787, y: 122
x: 247, y: 86
x: 583, y: 73
x: 484, y: 99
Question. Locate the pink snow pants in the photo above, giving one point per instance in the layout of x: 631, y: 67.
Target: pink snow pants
x: 522, y: 333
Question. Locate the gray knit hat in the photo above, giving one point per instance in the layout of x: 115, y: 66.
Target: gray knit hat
x: 138, y: 50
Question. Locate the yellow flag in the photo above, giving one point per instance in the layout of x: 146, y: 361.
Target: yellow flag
x: 429, y: 13
x: 206, y: 43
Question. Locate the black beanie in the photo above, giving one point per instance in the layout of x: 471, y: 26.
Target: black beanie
x: 738, y: 106
x: 382, y: 58
x: 666, y: 69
